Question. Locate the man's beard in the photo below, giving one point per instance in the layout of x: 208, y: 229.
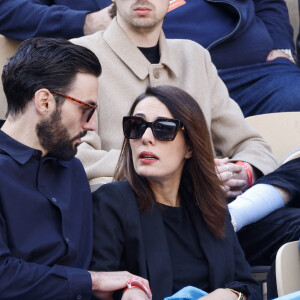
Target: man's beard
x: 54, y: 137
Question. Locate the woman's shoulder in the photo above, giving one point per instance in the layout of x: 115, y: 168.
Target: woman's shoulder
x: 115, y: 185
x: 117, y: 192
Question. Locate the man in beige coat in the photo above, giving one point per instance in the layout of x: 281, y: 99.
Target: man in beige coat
x: 134, y: 54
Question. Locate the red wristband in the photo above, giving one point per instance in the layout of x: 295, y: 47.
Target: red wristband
x: 140, y: 284
x: 248, y: 171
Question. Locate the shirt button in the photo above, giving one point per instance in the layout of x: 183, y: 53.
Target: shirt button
x: 37, y: 153
x: 79, y: 297
x: 53, y: 199
x: 156, y: 74
x: 68, y: 240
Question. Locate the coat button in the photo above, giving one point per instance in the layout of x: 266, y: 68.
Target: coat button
x: 79, y: 297
x: 53, y: 199
x: 156, y: 74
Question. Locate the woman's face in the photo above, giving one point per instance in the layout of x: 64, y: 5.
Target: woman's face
x: 156, y: 160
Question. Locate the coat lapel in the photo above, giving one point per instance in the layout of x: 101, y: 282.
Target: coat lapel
x: 133, y: 57
x: 215, y: 249
x: 157, y: 253
x: 128, y: 52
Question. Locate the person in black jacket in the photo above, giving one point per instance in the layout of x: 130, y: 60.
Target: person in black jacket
x: 168, y: 220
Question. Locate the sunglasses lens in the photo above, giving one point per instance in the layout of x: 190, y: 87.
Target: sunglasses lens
x: 165, y: 130
x: 133, y: 127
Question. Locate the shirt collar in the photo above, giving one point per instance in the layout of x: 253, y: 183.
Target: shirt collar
x: 20, y: 152
x: 119, y: 42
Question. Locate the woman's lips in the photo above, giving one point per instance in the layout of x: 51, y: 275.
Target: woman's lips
x: 147, y: 157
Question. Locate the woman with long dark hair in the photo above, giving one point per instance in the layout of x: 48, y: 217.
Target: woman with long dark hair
x: 165, y: 218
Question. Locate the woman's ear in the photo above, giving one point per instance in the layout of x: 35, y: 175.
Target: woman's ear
x: 188, y: 153
x: 44, y: 102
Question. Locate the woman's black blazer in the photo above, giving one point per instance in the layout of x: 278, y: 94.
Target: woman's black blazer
x: 125, y: 239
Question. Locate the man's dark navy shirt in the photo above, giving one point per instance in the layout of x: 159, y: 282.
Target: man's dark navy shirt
x: 45, y: 225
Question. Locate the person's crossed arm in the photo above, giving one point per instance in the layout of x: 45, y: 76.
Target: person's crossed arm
x: 23, y: 19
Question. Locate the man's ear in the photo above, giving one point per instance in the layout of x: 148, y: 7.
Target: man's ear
x: 44, y: 102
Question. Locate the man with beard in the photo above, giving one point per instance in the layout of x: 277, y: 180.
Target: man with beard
x: 45, y: 199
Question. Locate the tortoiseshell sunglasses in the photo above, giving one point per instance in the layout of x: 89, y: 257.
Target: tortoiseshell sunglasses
x: 90, y: 106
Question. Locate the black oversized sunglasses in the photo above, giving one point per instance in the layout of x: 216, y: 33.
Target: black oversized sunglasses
x: 163, y: 129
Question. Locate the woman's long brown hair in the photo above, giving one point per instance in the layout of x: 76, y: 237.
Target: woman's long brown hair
x: 199, y: 176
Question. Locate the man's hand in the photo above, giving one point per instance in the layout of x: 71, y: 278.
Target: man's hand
x: 96, y: 21
x: 134, y: 294
x: 277, y: 53
x: 234, y: 177
x: 105, y: 283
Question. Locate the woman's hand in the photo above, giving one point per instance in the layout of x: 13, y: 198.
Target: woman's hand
x: 134, y: 294
x: 221, y: 294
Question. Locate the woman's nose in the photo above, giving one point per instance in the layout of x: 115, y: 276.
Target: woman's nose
x: 148, y: 136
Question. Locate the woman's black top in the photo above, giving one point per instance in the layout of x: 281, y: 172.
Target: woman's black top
x: 189, y: 264
x: 144, y: 243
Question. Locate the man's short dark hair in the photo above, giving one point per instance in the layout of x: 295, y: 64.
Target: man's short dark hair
x: 44, y: 63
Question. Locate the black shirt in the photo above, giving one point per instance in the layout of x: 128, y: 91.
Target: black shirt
x: 151, y: 53
x: 45, y: 225
x: 189, y: 264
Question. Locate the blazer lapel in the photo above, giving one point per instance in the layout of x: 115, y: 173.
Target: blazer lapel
x: 157, y: 253
x: 214, y: 248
